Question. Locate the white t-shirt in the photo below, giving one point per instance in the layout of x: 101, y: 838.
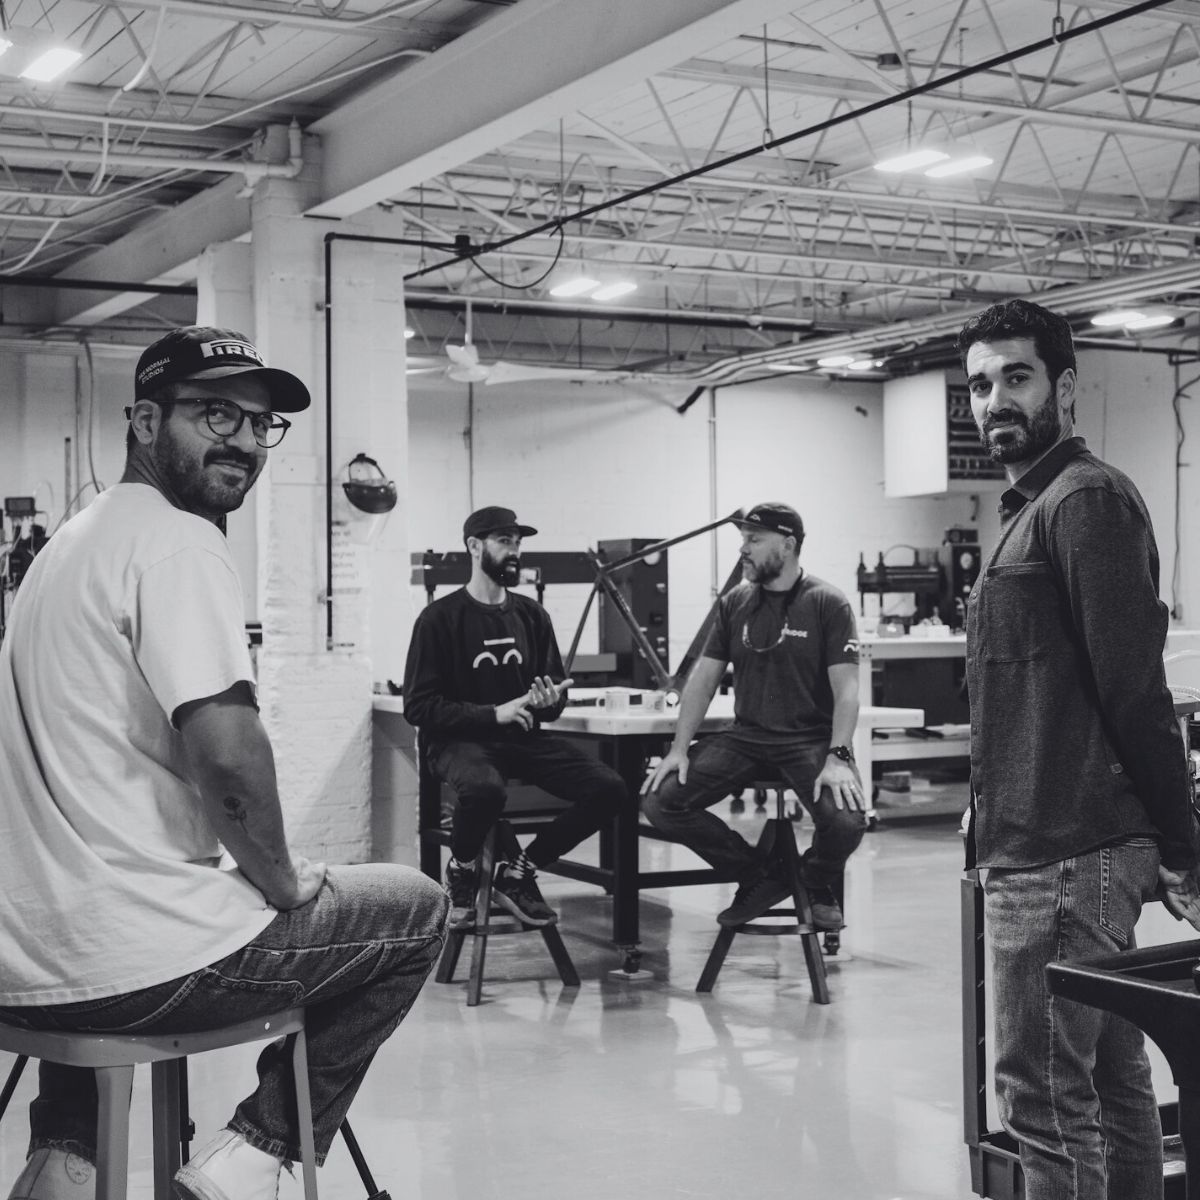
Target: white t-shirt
x: 108, y: 876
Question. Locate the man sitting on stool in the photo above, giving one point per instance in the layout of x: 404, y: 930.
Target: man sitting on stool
x: 480, y: 683
x: 792, y: 642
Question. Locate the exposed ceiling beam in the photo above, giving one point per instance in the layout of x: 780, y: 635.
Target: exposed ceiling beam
x: 159, y: 250
x: 517, y: 72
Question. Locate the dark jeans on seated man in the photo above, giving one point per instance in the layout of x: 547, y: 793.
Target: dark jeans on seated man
x: 354, y: 957
x: 479, y: 773
x: 726, y: 763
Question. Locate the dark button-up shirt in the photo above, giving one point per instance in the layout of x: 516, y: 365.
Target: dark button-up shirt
x: 1074, y: 742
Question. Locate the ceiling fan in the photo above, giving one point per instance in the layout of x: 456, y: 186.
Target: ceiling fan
x: 465, y: 367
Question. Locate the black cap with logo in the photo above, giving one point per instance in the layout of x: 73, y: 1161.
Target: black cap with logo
x: 493, y: 519
x: 201, y: 352
x: 777, y: 518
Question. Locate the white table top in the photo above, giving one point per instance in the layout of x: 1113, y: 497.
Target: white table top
x: 594, y: 719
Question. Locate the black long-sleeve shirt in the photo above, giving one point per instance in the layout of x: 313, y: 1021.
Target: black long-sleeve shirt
x: 467, y: 657
x: 1074, y: 742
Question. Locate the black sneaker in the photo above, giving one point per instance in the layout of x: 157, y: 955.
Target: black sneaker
x: 460, y: 887
x: 762, y: 891
x: 520, y: 895
x: 826, y: 911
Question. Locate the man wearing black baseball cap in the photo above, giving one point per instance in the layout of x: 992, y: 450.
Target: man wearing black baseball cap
x: 484, y: 674
x: 131, y: 750
x: 792, y: 641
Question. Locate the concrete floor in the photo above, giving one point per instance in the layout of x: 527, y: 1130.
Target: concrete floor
x: 648, y: 1090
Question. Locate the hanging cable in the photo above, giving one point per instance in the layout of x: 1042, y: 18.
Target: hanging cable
x: 768, y: 133
x: 855, y: 114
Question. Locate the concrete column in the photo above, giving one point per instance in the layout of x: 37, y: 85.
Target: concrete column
x: 316, y: 700
x: 225, y: 287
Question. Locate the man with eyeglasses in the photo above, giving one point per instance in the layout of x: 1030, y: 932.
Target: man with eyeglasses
x: 130, y: 745
x: 483, y: 676
x: 792, y: 642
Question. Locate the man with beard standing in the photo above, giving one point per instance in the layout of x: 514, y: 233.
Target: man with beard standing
x: 1080, y: 793
x: 483, y: 675
x: 130, y: 744
x: 792, y: 642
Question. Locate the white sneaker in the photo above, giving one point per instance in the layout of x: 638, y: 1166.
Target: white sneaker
x: 229, y: 1168
x: 55, y: 1175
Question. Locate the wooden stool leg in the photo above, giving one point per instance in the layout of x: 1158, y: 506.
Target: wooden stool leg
x: 716, y: 956
x: 450, y: 953
x: 558, y: 952
x: 814, y: 960
x: 308, y: 1150
x: 115, y: 1087
x: 483, y: 908
x: 165, y: 1107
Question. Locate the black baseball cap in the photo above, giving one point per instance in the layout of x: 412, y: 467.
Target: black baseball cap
x: 778, y: 518
x: 201, y: 352
x: 493, y: 519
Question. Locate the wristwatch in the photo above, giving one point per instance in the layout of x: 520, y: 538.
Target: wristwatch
x: 842, y: 752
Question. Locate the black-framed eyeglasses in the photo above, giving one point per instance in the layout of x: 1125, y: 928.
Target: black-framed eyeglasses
x: 225, y: 419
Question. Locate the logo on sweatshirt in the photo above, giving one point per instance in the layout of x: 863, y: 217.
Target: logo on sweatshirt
x: 512, y: 654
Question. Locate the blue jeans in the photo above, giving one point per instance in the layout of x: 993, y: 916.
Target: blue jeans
x: 726, y: 763
x: 1073, y: 1081
x: 355, y: 957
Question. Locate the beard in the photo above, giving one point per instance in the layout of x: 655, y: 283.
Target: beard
x: 765, y: 572
x: 1030, y: 436
x: 504, y: 570
x: 197, y: 481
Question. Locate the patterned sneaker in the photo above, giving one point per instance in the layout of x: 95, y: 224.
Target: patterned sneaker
x: 755, y: 895
x: 827, y: 913
x: 460, y: 887
x: 520, y: 895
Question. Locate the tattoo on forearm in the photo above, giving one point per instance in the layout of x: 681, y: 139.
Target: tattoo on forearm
x: 235, y: 810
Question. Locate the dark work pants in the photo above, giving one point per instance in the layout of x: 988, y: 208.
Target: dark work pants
x: 724, y: 764
x: 479, y: 773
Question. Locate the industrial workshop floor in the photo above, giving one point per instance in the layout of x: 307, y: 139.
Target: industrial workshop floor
x: 649, y: 1091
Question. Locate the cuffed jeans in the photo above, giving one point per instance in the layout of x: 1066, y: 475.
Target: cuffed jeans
x: 479, y: 773
x: 725, y: 763
x: 354, y: 957
x: 1073, y: 1081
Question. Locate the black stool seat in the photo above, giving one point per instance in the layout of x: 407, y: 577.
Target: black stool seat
x: 491, y: 921
x: 777, y: 843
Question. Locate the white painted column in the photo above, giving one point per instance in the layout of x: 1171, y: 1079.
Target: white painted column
x: 225, y: 298
x: 316, y: 701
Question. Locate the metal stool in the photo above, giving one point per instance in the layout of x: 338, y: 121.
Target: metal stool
x: 501, y: 837
x: 113, y: 1058
x: 778, y: 843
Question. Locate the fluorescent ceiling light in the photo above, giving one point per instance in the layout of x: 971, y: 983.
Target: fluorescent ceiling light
x: 1118, y: 316
x: 835, y: 360
x: 911, y: 160
x: 610, y: 291
x: 576, y: 286
x: 51, y: 64
x: 864, y: 364
x: 1152, y: 318
x: 786, y: 367
x: 409, y: 332
x: 959, y: 166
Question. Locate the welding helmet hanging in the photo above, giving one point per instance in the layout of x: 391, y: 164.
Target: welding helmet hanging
x: 367, y: 487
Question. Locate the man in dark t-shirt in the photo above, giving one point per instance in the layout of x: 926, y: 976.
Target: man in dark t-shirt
x: 792, y: 642
x: 484, y: 674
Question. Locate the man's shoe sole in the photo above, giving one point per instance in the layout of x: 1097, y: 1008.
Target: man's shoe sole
x: 513, y: 907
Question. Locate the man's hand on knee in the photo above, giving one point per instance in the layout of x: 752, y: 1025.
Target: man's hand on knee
x: 674, y: 761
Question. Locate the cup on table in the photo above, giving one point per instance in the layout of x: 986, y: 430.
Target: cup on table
x: 616, y: 700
